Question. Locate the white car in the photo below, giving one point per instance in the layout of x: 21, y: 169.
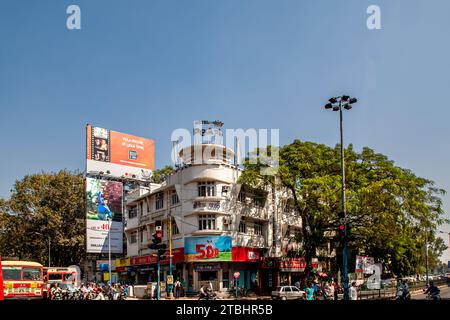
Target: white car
x: 287, y: 293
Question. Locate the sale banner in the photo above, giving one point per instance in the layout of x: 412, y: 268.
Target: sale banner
x: 205, y: 249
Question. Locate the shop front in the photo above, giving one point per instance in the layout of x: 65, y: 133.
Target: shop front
x: 124, y: 269
x: 291, y: 270
x: 269, y: 274
x: 246, y: 261
x: 207, y: 258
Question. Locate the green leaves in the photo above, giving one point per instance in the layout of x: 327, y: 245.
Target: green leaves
x: 386, y: 205
x: 45, y: 206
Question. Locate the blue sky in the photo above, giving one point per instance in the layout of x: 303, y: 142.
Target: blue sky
x: 148, y: 67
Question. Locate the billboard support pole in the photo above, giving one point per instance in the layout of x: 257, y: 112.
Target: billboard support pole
x: 109, y: 250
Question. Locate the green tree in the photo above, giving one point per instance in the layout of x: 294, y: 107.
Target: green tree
x: 42, y: 207
x: 160, y: 175
x: 388, y: 208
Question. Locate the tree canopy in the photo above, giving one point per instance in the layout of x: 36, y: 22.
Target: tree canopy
x: 392, y: 212
x: 45, y: 207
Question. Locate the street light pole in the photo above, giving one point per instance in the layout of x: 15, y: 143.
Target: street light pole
x: 345, y: 246
x: 337, y: 104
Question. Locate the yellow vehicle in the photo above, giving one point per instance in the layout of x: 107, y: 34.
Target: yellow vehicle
x: 22, y: 280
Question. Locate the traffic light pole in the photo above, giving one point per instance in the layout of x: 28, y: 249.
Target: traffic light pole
x: 158, y: 270
x: 345, y: 244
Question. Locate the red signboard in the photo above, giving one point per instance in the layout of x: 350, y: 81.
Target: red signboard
x: 293, y: 265
x: 177, y: 257
x: 245, y: 254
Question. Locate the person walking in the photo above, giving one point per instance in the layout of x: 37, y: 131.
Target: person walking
x: 353, y: 292
x: 309, y: 292
x: 336, y: 289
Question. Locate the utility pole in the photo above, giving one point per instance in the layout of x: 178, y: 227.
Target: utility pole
x: 170, y: 286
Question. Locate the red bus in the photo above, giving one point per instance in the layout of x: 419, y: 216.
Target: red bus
x: 22, y: 280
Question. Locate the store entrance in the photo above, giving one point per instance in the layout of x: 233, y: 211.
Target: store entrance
x: 207, y: 277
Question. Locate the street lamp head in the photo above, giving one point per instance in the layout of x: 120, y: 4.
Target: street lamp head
x: 336, y: 108
x: 328, y: 106
x: 347, y: 106
x: 345, y: 98
x: 332, y: 100
x: 353, y: 100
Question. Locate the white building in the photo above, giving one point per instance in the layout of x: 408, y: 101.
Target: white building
x: 208, y: 207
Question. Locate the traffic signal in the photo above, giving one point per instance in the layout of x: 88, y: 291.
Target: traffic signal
x: 157, y: 236
x: 162, y: 254
x: 341, y: 230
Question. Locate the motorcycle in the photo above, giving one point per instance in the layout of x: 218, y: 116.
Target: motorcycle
x: 435, y: 296
x: 403, y: 294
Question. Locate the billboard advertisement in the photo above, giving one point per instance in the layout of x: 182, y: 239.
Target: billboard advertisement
x: 104, y: 202
x: 365, y: 265
x: 118, y: 154
x: 207, y: 249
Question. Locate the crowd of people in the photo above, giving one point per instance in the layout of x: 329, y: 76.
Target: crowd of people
x: 327, y: 290
x: 89, y: 291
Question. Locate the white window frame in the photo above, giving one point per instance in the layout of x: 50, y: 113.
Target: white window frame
x: 206, y: 189
x: 207, y: 222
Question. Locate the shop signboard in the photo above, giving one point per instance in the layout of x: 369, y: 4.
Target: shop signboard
x: 205, y: 249
x: 292, y: 265
x: 269, y: 263
x: 207, y: 267
x: 245, y: 254
x: 177, y: 257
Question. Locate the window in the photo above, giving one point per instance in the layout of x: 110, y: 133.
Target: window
x: 206, y: 222
x: 259, y: 200
x: 132, y: 212
x: 147, y: 204
x: 174, y: 197
x: 206, y: 189
x: 12, y: 273
x: 33, y: 274
x: 225, y: 191
x: 258, y: 228
x: 141, y: 234
x: 175, y: 228
x: 241, y: 196
x: 159, y: 200
x: 133, y: 237
x: 242, y: 226
x: 141, y: 208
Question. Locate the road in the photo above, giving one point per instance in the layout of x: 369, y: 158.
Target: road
x: 445, y: 294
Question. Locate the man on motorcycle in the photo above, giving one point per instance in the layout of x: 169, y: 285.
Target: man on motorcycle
x: 203, y: 293
x: 433, y: 291
x: 403, y: 291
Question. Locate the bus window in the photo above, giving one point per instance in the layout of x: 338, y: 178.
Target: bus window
x: 69, y: 277
x: 54, y: 276
x: 12, y: 273
x: 33, y: 274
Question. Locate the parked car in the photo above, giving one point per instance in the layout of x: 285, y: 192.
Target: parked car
x: 287, y: 293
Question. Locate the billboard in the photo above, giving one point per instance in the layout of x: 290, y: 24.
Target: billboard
x: 365, y: 265
x: 118, y: 154
x: 207, y: 249
x: 104, y: 201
